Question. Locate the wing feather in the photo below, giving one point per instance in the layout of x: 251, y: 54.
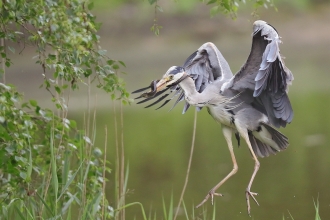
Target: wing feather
x: 266, y: 75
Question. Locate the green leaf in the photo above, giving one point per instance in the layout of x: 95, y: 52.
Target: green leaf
x: 160, y: 9
x: 7, y: 63
x: 33, y: 103
x: 90, y: 6
x: 73, y: 124
x: 122, y: 63
x: 11, y: 49
x: 88, y: 72
x: 152, y: 1
x: 211, y: 2
x: 214, y: 10
x: 258, y: 4
x: 37, y: 109
x: 110, y: 62
x: 52, y: 56
x: 102, y: 52
x: 88, y: 140
x: 226, y: 5
x: 58, y: 89
x: 58, y: 106
x: 22, y: 175
x: 113, y: 96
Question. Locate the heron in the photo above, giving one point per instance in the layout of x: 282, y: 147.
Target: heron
x: 251, y: 104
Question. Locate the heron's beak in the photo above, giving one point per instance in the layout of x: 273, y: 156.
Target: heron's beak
x: 162, y: 84
x: 157, y: 86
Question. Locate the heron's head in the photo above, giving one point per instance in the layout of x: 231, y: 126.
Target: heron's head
x: 173, y: 76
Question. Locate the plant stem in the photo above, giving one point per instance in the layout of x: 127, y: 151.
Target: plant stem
x: 189, y: 165
x: 122, y: 166
x: 117, y: 184
x: 104, y: 166
x: 3, y: 62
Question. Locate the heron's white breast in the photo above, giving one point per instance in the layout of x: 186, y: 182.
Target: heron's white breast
x: 221, y: 115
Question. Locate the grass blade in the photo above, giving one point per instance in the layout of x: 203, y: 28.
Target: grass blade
x: 53, y: 166
x: 66, y: 166
x: 131, y: 204
x: 18, y: 211
x: 185, y: 210
x: 68, y: 203
x: 170, y: 211
x: 96, y: 203
x: 45, y: 204
x: 213, y: 215
x: 29, y: 168
x: 70, y: 181
x: 164, y: 208
x: 316, y: 205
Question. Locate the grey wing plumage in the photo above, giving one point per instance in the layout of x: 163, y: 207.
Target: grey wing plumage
x: 205, y: 66
x: 266, y: 75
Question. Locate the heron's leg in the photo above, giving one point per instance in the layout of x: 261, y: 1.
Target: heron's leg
x: 227, y: 132
x: 248, y: 193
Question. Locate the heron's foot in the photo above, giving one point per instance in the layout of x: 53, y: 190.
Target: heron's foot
x: 249, y: 194
x: 210, y: 194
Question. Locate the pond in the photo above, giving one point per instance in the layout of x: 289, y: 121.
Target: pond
x: 157, y: 148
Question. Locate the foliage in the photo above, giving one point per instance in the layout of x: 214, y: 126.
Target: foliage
x: 50, y: 168
x: 65, y: 36
x: 46, y: 163
x: 231, y: 6
x: 227, y: 7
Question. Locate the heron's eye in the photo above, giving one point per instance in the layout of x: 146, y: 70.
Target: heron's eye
x: 171, y: 77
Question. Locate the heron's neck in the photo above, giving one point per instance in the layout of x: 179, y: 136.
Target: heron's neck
x: 192, y: 96
x: 188, y: 86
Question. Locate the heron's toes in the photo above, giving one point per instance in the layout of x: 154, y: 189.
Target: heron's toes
x: 212, y: 194
x: 251, y: 194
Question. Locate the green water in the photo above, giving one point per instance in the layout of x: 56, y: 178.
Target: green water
x: 157, y: 147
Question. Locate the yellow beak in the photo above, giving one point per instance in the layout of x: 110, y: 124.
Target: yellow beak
x: 161, y: 84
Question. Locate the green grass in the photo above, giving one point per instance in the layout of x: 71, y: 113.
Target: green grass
x: 317, y: 212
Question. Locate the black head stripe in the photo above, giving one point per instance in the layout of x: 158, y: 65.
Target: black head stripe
x: 176, y: 70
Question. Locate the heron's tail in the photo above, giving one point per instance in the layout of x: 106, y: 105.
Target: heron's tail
x: 278, y: 142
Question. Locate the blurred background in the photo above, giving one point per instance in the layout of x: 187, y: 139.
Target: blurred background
x: 157, y: 143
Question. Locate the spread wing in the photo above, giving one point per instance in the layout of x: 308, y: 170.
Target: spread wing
x: 205, y: 66
x: 266, y: 75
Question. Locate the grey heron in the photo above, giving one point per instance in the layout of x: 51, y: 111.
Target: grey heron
x: 251, y: 104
